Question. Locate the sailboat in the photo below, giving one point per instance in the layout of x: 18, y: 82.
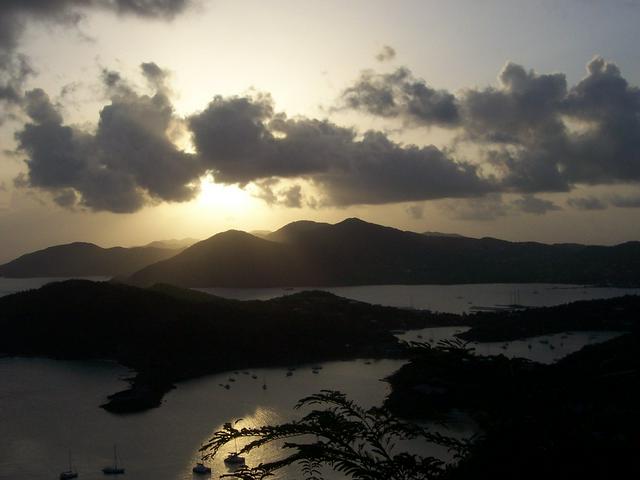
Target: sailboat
x: 234, y: 458
x: 113, y: 469
x: 68, y: 474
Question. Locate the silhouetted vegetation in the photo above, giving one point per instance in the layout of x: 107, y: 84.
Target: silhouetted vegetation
x: 358, y: 442
x: 619, y: 313
x: 575, y: 419
x: 167, y: 334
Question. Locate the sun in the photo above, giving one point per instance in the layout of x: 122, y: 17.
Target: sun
x: 232, y: 197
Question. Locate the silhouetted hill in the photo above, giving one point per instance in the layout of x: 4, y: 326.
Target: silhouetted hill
x: 441, y: 234
x: 354, y: 252
x: 619, y: 313
x: 83, y: 260
x: 575, y: 418
x: 261, y: 233
x: 167, y: 334
x: 174, y: 243
x: 232, y: 259
x: 291, y: 231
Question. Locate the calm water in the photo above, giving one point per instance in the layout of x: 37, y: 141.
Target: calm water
x: 444, y: 298
x: 440, y: 298
x: 543, y: 349
x: 50, y: 407
x: 12, y: 285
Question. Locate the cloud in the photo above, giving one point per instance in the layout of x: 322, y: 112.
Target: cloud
x: 386, y: 54
x: 39, y: 107
x: 415, y: 212
x: 292, y: 197
x: 626, y: 201
x: 130, y: 159
x: 66, y: 198
x: 534, y: 205
x: 523, y: 106
x: 533, y: 133
x: 536, y: 132
x: 487, y: 208
x: 586, y: 203
x: 400, y: 95
x: 493, y: 206
x: 15, y: 68
x: 127, y: 162
x: 243, y: 139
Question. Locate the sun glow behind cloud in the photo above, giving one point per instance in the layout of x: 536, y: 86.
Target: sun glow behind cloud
x: 233, y: 198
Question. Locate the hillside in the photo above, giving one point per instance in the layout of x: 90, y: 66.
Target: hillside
x: 354, y: 252
x: 83, y: 260
x: 173, y: 243
x: 167, y: 334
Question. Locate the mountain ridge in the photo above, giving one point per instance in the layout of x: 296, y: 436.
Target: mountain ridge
x: 355, y: 252
x: 350, y: 252
x: 83, y: 259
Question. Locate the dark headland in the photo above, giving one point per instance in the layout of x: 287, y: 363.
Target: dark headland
x: 167, y: 334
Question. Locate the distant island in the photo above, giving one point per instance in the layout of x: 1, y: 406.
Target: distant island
x: 80, y: 259
x: 351, y: 252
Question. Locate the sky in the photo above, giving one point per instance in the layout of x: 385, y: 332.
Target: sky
x: 128, y: 121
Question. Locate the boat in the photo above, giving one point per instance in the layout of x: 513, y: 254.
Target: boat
x: 201, y: 468
x: 234, y: 458
x: 113, y: 469
x: 68, y: 474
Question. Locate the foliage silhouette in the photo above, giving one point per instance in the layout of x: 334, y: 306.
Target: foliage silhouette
x: 355, y: 441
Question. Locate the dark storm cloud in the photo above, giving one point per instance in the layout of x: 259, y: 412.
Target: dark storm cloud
x: 242, y: 140
x: 15, y: 68
x: 399, y: 94
x: 586, y: 203
x: 128, y: 161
